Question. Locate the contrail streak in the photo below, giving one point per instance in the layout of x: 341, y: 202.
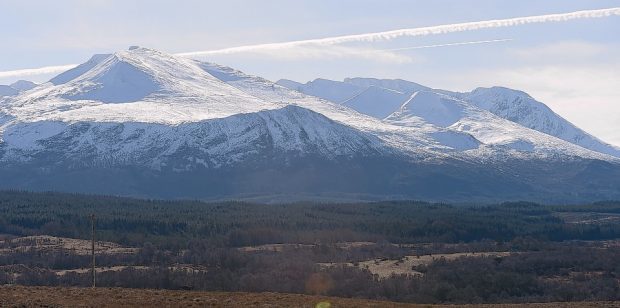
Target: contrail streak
x: 445, y: 45
x: 423, y: 31
x: 370, y: 37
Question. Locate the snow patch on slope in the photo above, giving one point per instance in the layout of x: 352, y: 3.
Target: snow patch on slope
x: 27, y: 135
x: 79, y: 70
x: 434, y: 108
x: 457, y: 140
x: 376, y: 102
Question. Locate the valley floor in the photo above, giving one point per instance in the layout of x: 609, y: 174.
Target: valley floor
x: 20, y: 296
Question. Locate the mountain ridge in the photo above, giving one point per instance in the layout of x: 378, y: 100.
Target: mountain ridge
x: 192, y: 129
x: 513, y: 105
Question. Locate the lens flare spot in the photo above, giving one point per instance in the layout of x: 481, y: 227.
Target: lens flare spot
x: 323, y: 305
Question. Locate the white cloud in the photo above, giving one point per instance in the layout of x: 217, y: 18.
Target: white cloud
x: 36, y: 71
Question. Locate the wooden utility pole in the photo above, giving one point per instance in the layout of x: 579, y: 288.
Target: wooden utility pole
x: 92, y: 218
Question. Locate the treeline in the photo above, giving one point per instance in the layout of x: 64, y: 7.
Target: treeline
x: 174, y: 224
x: 562, y: 273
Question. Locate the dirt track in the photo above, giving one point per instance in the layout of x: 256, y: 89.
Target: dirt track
x: 18, y: 296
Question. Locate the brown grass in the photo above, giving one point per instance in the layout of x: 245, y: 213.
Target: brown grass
x: 385, y: 267
x: 20, y: 296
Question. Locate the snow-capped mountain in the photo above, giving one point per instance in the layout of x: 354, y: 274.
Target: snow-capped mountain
x: 445, y: 111
x: 16, y: 88
x: 127, y: 96
x: 145, y: 123
x: 512, y: 105
x: 23, y: 85
x: 414, y: 138
x: 139, y: 85
x: 519, y: 107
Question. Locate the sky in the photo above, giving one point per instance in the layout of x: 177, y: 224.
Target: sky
x: 572, y: 66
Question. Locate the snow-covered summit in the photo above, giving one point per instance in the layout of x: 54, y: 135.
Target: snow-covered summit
x: 521, y: 108
x: 457, y: 115
x: 148, y: 104
x: 140, y: 85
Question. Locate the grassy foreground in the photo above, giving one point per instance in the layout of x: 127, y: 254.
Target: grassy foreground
x: 20, y: 296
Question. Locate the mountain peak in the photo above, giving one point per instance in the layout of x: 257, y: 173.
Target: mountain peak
x: 486, y: 98
x: 16, y: 88
x: 521, y: 108
x: 23, y: 85
x: 116, y: 79
x: 501, y: 91
x: 133, y: 75
x: 142, y: 85
x: 291, y: 84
